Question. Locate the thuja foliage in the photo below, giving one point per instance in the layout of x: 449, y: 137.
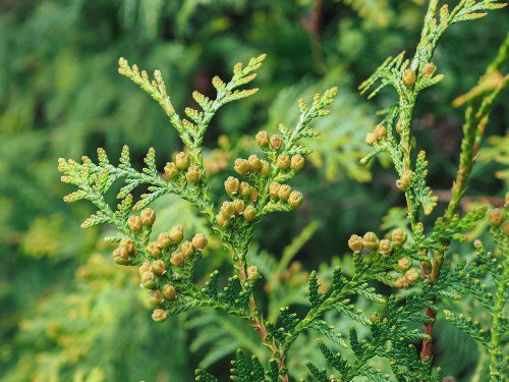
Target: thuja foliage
x: 412, y: 260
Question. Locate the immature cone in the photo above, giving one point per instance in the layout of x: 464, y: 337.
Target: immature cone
x: 159, y: 315
x: 148, y: 280
x: 199, y: 241
x: 412, y: 275
x: 145, y: 267
x: 227, y: 209
x: 221, y: 220
x: 239, y: 205
x: 370, y: 138
x: 245, y: 189
x: 409, y: 77
x: 297, y: 162
x: 295, y: 199
x: 158, y: 267
x: 177, y: 259
x: 505, y: 228
x: 176, y: 234
x: 399, y: 126
x: 385, y: 247
x: 147, y: 216
x: 171, y: 170
x: 404, y: 264
x: 283, y: 162
x: 496, y: 217
x: 404, y: 182
x: 250, y: 213
x: 182, y: 161
x: 252, y: 273
x: 128, y: 245
x: 193, y: 174
x: 154, y: 249
x: 370, y: 241
x: 380, y: 131
x: 253, y: 195
x: 262, y: 138
x: 163, y: 240
x: 187, y: 249
x: 120, y: 255
x: 398, y: 236
x: 355, y: 243
x: 274, y: 189
x: 284, y: 192
x: 134, y: 223
x: 255, y: 164
x: 168, y: 292
x: 231, y: 185
x: 241, y: 166
x: 401, y: 283
x: 155, y: 298
x: 429, y: 69
x: 276, y: 141
x: 265, y: 169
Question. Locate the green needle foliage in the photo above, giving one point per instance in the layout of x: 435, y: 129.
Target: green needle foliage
x: 405, y: 273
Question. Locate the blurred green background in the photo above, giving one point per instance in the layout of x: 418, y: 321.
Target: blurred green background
x: 66, y: 312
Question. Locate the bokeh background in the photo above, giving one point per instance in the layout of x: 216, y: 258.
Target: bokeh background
x: 67, y: 313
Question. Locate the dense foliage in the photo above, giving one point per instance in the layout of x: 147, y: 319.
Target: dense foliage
x: 71, y: 313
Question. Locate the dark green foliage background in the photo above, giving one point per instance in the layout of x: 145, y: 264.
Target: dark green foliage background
x: 60, y: 96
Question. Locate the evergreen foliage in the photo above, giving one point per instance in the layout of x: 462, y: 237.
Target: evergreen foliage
x: 184, y: 225
x: 168, y: 265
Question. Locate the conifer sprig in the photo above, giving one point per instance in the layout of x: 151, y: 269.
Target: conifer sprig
x: 393, y: 135
x: 167, y: 261
x: 192, y: 133
x: 411, y: 262
x: 409, y: 77
x: 480, y: 100
x: 485, y: 278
